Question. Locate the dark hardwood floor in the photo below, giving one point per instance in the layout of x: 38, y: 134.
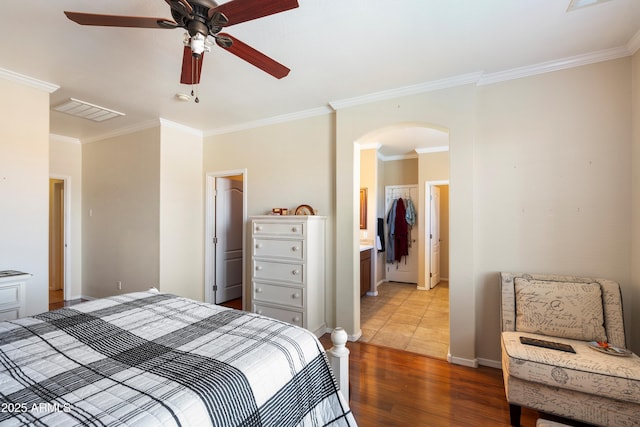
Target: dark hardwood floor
x: 56, y: 300
x: 392, y: 387
x: 234, y: 303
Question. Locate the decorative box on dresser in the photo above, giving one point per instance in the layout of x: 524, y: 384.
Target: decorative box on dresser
x: 13, y: 304
x: 288, y: 269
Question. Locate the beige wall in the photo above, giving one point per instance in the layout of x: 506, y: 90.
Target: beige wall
x: 552, y: 182
x: 24, y: 187
x: 121, y: 219
x: 634, y: 306
x: 65, y: 160
x: 181, y: 212
x: 401, y: 172
x: 368, y: 180
x: 145, y: 194
x: 287, y: 165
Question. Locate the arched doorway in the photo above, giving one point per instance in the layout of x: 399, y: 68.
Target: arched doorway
x: 400, y: 156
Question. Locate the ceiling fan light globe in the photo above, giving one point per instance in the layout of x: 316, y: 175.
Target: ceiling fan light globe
x: 197, y: 44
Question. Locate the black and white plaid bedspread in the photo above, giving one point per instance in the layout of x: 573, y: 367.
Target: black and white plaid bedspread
x: 156, y: 359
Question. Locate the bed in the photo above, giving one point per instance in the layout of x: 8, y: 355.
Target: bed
x: 149, y: 358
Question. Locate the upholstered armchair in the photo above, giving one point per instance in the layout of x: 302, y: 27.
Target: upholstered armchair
x: 588, y: 385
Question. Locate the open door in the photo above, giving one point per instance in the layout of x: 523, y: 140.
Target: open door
x: 406, y: 270
x: 228, y: 238
x: 224, y: 251
x: 56, y: 240
x: 434, y: 236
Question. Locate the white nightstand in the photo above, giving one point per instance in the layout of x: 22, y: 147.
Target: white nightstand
x: 12, y: 294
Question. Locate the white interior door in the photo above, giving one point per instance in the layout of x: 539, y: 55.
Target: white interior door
x: 434, y: 236
x: 406, y: 270
x: 228, y: 239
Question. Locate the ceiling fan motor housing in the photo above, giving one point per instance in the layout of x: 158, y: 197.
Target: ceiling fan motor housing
x: 197, y: 22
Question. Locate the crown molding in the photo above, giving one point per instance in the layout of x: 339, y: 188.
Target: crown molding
x: 62, y: 138
x: 398, y: 157
x: 634, y: 43
x: 480, y: 78
x: 427, y: 150
x: 320, y: 111
x: 28, y: 81
x: 181, y: 127
x: 431, y: 86
x: 556, y: 65
x: 370, y: 146
x: 124, y: 131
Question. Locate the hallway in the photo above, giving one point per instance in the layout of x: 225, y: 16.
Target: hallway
x: 405, y: 318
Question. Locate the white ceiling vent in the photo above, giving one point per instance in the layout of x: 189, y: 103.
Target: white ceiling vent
x: 577, y: 4
x: 83, y: 109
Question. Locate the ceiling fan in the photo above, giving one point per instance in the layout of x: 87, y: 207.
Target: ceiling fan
x: 203, y: 18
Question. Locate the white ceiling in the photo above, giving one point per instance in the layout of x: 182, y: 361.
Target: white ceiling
x: 339, y: 52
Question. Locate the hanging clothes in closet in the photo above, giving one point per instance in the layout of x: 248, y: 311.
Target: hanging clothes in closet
x: 398, y: 226
x: 410, y: 217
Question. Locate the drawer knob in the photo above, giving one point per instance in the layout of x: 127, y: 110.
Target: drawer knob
x: 295, y: 272
x: 294, y: 229
x: 258, y: 290
x: 258, y: 228
x: 295, y: 248
x: 258, y: 245
x: 296, y: 319
x: 258, y: 267
x: 296, y: 295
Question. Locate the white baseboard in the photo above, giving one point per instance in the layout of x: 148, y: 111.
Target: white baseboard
x: 356, y: 336
x: 471, y: 363
x: 490, y: 363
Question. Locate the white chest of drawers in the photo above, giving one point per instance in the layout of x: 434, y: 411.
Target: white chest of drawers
x: 12, y: 294
x: 288, y: 269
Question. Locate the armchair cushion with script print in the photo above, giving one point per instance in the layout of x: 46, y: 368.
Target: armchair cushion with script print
x: 566, y: 310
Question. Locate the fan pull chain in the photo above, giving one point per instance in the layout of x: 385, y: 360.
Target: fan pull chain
x: 194, y: 78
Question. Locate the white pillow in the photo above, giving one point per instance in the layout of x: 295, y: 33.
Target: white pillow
x: 560, y: 309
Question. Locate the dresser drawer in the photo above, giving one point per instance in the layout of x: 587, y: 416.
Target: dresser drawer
x: 280, y: 271
x: 283, y: 295
x: 274, y: 248
x: 10, y: 294
x: 293, y: 228
x: 289, y: 316
x: 9, y: 314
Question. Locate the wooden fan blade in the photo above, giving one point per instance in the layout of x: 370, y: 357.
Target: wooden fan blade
x: 252, y: 56
x: 238, y: 11
x: 191, y: 67
x: 119, y: 21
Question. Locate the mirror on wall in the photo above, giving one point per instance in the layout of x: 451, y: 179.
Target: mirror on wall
x: 363, y: 208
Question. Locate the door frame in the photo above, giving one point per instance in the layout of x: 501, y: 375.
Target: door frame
x: 210, y: 216
x: 66, y: 203
x: 427, y: 223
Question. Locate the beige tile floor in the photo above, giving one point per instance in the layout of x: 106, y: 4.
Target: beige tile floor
x: 408, y: 319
